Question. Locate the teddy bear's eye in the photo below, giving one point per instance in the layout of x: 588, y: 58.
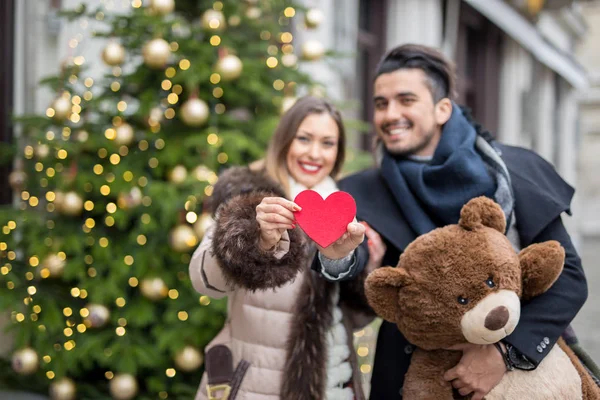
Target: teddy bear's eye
x: 462, y: 300
x: 490, y: 282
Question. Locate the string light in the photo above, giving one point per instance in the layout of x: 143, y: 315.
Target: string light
x: 289, y: 12
x: 212, y: 139
x: 204, y: 300
x: 170, y: 72
x: 184, y: 64
x: 222, y: 158
x: 215, y: 78
x: 272, y: 62
x: 141, y: 240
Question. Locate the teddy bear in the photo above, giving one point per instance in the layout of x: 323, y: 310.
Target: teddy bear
x: 465, y: 283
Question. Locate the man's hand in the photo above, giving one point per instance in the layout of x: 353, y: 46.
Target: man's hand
x: 480, y: 369
x: 377, y: 248
x: 354, y: 236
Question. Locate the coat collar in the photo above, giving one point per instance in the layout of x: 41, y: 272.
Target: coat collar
x: 541, y: 195
x: 324, y: 188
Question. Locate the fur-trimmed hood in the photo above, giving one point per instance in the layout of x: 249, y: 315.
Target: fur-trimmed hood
x: 240, y: 180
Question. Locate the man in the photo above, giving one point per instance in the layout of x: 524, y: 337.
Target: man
x: 431, y: 161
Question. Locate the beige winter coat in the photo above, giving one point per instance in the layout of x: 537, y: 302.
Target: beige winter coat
x: 284, y: 319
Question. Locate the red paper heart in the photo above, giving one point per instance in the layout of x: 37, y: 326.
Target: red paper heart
x: 324, y: 221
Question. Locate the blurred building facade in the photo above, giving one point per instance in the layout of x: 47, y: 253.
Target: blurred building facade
x: 588, y: 182
x: 515, y: 61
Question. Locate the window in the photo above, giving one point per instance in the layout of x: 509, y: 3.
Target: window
x: 371, y: 46
x: 478, y: 54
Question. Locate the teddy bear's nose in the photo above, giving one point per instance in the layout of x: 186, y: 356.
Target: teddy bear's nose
x: 497, y: 318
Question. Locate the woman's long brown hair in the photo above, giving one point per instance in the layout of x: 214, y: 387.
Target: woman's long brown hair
x: 275, y: 160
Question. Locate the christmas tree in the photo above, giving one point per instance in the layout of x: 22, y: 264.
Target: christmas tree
x: 111, y: 185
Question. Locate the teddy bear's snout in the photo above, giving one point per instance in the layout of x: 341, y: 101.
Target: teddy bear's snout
x: 497, y: 318
x: 493, y: 318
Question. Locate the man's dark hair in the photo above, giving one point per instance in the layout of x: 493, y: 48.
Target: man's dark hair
x: 437, y: 68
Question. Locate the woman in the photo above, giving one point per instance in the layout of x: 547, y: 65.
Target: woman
x: 283, y: 319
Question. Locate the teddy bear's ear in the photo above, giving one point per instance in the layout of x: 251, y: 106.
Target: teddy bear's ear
x: 482, y: 211
x: 381, y: 289
x: 541, y: 264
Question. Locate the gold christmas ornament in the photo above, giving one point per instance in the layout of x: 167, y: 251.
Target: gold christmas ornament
x: 54, y: 264
x: 202, y: 173
x: 98, y: 315
x: 131, y: 199
x: 194, y: 112
x: 234, y: 20
x: 162, y: 7
x: 154, y: 288
x: 289, y: 60
x: 156, y: 116
x: 229, y: 67
x: 287, y: 103
x: 213, y: 20
x: 178, y: 174
x: 123, y: 387
x: 253, y: 13
x: 25, y: 361
x: 41, y: 150
x: 203, y: 222
x: 188, y: 359
x: 183, y: 238
x: 63, y: 389
x: 82, y: 136
x: 124, y: 134
x: 62, y: 108
x: 70, y: 204
x: 113, y: 54
x: 312, y: 50
x: 313, y: 18
x: 156, y: 53
x: 17, y: 179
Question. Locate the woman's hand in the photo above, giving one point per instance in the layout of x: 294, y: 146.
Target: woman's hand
x: 274, y: 215
x: 354, y: 236
x: 377, y: 248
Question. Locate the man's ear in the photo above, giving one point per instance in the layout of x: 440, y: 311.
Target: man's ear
x: 443, y: 111
x: 541, y: 265
x: 381, y: 289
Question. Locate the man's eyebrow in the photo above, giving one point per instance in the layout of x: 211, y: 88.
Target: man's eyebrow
x: 406, y: 94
